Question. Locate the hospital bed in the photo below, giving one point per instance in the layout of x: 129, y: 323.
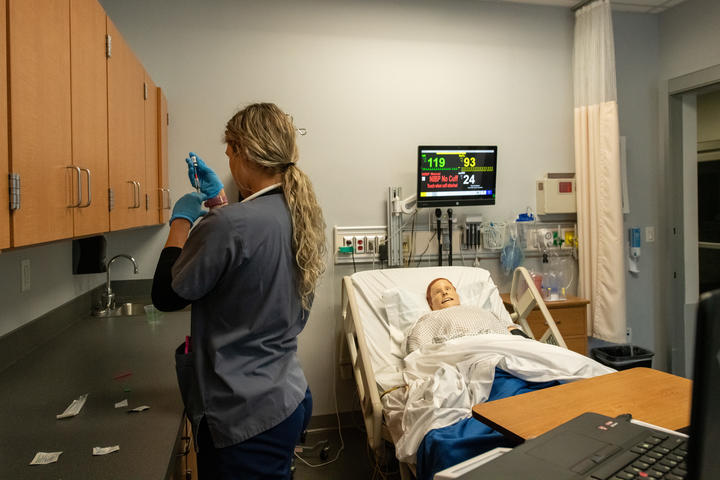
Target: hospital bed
x: 379, y: 305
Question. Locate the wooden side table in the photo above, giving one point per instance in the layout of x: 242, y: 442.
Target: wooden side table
x: 636, y: 391
x: 570, y: 317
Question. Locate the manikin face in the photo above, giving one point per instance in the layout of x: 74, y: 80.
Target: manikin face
x: 443, y: 295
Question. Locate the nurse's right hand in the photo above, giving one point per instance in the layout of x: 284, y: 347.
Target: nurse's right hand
x: 189, y: 207
x: 210, y: 184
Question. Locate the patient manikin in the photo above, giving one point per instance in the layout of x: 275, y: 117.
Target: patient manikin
x: 449, y: 319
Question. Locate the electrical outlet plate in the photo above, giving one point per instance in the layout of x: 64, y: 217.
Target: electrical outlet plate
x: 370, y: 238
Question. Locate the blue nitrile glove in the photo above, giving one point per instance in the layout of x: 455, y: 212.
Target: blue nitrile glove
x: 189, y: 207
x: 210, y: 184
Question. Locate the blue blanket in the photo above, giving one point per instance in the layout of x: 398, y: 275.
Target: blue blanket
x: 444, y: 447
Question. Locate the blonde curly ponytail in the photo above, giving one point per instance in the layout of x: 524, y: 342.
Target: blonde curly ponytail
x: 266, y: 136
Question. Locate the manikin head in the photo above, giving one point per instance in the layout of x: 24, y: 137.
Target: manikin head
x: 441, y: 294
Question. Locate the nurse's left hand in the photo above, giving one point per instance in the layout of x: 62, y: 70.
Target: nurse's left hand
x: 210, y: 184
x: 189, y: 207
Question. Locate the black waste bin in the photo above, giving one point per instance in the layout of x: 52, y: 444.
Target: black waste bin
x: 622, y: 357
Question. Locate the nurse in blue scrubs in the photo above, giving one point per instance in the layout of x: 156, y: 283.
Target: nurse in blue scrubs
x: 249, y: 269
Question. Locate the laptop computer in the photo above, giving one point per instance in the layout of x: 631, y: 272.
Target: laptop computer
x: 597, y: 447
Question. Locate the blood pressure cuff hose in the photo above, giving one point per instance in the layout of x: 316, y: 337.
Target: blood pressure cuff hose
x: 163, y: 296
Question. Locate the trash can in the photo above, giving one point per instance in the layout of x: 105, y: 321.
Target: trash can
x: 622, y: 357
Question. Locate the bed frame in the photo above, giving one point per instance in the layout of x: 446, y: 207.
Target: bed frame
x: 524, y: 298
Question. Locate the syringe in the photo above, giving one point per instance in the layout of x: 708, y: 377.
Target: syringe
x: 195, y: 168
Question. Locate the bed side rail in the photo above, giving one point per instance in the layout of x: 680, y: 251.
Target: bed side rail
x: 361, y: 366
x: 524, y: 298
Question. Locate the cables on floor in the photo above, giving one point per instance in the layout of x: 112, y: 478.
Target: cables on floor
x: 337, y: 414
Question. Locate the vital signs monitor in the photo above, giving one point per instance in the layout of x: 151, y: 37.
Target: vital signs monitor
x: 456, y: 176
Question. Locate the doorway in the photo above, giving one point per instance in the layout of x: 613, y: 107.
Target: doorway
x: 690, y: 268
x: 708, y: 157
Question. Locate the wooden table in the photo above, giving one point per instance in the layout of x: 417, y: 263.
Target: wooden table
x: 570, y: 316
x: 649, y: 395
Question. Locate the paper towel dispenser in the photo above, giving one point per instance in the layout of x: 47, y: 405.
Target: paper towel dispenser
x: 555, y: 193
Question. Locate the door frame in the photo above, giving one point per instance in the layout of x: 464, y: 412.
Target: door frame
x: 680, y: 272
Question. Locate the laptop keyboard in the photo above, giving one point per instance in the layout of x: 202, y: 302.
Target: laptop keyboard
x: 659, y: 456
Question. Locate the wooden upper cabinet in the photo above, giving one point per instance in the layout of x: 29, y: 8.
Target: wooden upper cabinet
x: 152, y: 192
x: 89, y: 115
x: 126, y: 134
x: 4, y: 212
x: 40, y: 119
x: 163, y: 178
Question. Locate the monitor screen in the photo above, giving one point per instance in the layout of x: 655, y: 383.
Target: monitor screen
x: 456, y: 176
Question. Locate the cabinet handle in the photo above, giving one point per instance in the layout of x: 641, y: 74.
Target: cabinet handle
x: 137, y: 186
x: 79, y: 188
x: 163, y: 191
x: 136, y: 190
x: 89, y: 189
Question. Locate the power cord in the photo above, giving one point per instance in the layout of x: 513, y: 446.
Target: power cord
x: 426, y: 248
x: 337, y: 414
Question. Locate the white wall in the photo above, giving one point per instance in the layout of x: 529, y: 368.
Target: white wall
x: 689, y: 38
x: 637, y: 65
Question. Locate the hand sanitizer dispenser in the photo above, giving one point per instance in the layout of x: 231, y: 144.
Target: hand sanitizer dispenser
x: 634, y: 260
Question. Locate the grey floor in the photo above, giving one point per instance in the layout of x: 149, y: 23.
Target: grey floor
x: 354, y: 463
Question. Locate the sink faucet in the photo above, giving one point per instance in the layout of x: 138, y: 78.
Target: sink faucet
x: 109, y: 295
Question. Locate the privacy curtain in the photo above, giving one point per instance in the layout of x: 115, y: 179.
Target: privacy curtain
x: 597, y: 168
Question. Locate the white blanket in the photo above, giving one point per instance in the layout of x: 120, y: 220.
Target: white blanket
x: 446, y: 380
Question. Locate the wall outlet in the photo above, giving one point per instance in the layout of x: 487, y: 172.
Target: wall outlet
x: 650, y: 234
x: 371, y: 244
x: 359, y: 244
x: 628, y: 335
x: 25, y: 275
x: 365, y: 243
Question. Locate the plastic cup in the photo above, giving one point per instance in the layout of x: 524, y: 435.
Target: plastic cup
x: 151, y: 313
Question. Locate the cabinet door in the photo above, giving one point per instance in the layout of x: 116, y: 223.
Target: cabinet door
x: 126, y: 134
x: 152, y: 193
x: 163, y: 179
x: 89, y: 114
x: 4, y: 212
x: 40, y: 142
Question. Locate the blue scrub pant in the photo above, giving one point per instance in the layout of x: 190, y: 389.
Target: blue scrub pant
x: 267, y: 455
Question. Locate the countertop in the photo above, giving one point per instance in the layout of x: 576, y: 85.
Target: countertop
x: 85, y: 358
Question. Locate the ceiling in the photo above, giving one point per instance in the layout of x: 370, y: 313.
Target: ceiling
x: 642, y: 6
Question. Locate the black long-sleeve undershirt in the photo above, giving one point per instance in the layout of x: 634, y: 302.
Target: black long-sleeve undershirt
x: 163, y: 296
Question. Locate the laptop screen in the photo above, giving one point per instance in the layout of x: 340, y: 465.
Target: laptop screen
x: 703, y: 460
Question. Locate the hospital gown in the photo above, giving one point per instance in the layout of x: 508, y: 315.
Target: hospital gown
x: 439, y: 326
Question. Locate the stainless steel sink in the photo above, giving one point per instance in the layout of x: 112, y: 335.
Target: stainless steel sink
x: 123, y: 310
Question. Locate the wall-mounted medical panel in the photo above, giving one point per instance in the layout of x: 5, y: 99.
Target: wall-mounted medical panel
x: 358, y: 244
x: 555, y: 194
